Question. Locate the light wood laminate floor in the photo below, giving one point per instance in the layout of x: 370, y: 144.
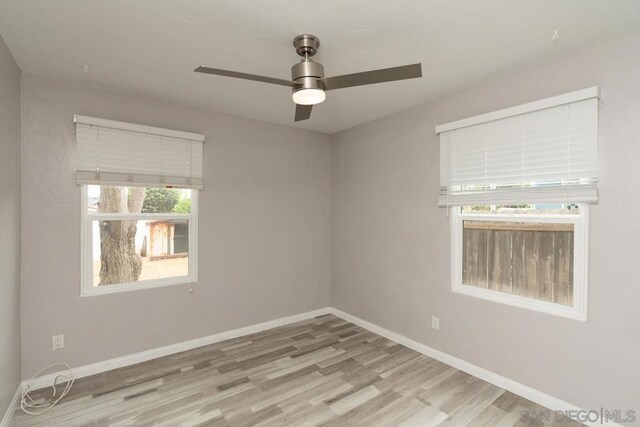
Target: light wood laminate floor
x: 322, y: 371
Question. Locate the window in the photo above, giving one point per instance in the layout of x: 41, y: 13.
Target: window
x: 139, y: 204
x: 518, y: 183
x: 530, y: 256
x: 137, y: 238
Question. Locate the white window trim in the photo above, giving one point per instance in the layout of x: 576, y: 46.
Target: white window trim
x: 554, y: 101
x: 580, y: 263
x: 86, y: 246
x: 132, y: 127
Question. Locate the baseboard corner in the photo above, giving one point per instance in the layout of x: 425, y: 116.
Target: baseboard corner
x: 13, y: 406
x: 477, y: 371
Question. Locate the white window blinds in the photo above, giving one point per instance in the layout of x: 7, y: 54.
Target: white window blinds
x: 542, y: 152
x: 118, y: 153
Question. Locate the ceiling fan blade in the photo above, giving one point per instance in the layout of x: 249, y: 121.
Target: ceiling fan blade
x: 244, y: 76
x: 303, y: 112
x: 372, y: 77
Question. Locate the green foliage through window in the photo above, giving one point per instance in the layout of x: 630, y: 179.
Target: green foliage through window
x: 183, y: 206
x: 160, y: 200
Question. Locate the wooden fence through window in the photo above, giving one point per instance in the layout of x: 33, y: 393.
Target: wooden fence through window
x: 533, y: 260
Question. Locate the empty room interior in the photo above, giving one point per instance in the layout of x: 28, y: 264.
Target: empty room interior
x: 319, y: 213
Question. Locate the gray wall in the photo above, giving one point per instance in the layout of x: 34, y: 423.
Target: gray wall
x: 390, y: 241
x: 9, y: 227
x: 264, y: 230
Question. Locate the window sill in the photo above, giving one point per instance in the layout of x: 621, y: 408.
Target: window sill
x: 521, y: 302
x: 136, y: 286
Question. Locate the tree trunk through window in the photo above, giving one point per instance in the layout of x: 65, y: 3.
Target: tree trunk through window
x: 119, y: 262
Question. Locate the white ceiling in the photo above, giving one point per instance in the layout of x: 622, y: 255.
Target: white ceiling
x: 150, y: 47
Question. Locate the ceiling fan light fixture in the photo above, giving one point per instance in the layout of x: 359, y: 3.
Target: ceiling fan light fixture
x: 309, y: 96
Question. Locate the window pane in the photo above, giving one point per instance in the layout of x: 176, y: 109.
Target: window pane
x: 555, y: 209
x: 134, y: 251
x: 533, y: 260
x: 106, y: 199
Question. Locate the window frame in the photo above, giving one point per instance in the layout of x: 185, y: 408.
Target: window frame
x: 577, y: 311
x: 86, y: 246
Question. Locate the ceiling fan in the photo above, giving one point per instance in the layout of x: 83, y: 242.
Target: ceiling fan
x: 308, y: 81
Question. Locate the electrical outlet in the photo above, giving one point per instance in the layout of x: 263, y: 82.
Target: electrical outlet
x: 435, y: 322
x: 57, y: 342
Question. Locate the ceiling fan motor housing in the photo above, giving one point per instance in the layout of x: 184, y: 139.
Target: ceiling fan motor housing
x: 307, y: 73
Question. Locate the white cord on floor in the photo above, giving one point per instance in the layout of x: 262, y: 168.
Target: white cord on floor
x: 38, y: 406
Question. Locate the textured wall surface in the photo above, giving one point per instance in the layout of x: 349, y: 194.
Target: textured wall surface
x: 391, y: 241
x: 9, y: 227
x: 264, y: 230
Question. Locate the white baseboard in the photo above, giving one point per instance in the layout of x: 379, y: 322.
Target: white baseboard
x: 488, y: 376
x: 13, y: 405
x: 491, y: 377
x: 143, y: 356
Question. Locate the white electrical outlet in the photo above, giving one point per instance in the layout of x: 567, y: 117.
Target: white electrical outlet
x: 57, y: 342
x: 435, y: 322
